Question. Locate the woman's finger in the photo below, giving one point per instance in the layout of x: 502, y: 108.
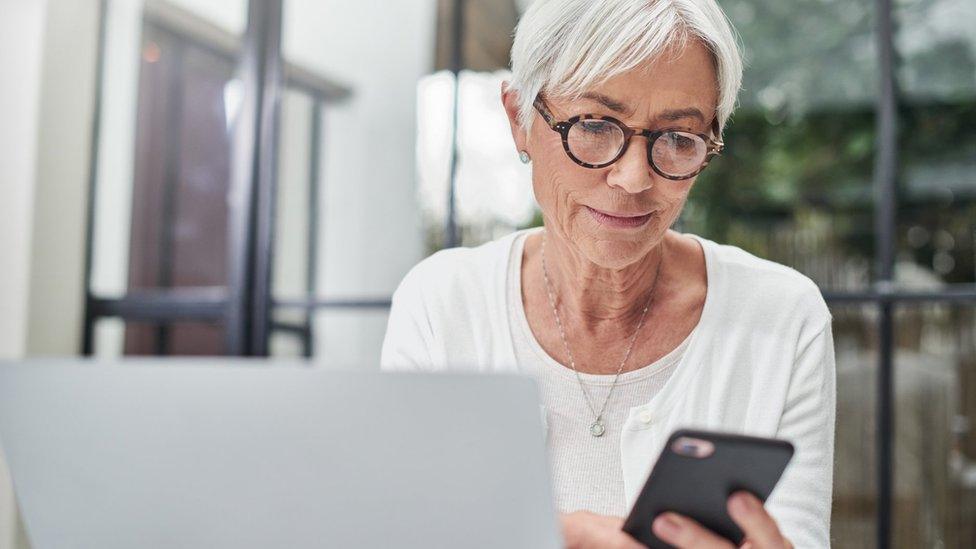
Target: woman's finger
x: 612, y: 535
x: 759, y: 526
x: 586, y: 530
x: 682, y: 531
x: 621, y: 540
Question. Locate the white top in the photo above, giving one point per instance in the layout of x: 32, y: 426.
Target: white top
x: 760, y: 362
x: 587, y: 473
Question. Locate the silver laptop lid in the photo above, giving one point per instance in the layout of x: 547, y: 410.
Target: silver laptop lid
x: 236, y: 454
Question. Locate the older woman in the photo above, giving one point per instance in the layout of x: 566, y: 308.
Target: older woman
x: 632, y: 329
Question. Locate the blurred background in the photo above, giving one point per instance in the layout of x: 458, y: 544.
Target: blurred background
x: 254, y: 177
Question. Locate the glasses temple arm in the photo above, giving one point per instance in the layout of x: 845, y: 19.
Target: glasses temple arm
x: 546, y: 115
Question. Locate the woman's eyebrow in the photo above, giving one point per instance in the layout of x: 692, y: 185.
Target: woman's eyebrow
x: 670, y: 115
x: 677, y: 114
x: 608, y: 102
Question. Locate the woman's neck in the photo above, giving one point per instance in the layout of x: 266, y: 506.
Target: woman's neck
x: 597, y: 297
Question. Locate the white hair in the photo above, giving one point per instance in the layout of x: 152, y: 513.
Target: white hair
x: 566, y: 47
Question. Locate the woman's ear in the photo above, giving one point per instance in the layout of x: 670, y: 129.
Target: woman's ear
x: 510, y: 102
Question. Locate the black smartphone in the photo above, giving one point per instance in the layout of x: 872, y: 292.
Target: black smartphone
x: 697, y: 472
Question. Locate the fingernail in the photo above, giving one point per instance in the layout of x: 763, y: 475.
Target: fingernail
x: 667, y: 526
x: 741, y: 504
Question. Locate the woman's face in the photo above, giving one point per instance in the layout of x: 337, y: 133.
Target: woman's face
x: 613, y: 216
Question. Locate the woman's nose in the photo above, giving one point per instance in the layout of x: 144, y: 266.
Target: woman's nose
x: 631, y: 172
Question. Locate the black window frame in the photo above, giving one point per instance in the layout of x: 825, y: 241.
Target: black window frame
x: 244, y: 306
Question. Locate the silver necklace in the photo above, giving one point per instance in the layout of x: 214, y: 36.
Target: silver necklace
x: 597, y: 428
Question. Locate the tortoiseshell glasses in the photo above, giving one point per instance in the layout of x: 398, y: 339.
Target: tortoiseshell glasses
x: 595, y: 141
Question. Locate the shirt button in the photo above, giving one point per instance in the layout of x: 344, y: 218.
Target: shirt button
x: 646, y: 417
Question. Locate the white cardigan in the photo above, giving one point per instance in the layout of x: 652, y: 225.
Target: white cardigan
x: 761, y: 362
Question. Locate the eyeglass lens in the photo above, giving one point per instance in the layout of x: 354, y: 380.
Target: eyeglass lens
x: 599, y: 142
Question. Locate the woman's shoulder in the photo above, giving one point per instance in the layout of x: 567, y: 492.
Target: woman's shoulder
x: 765, y: 286
x: 454, y: 273
x: 448, y: 310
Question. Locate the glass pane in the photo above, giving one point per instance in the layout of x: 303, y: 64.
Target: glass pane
x: 168, y: 98
x: 293, y: 333
x: 493, y: 188
x: 794, y: 184
x: 936, y: 47
x: 287, y: 344
x: 115, y: 338
x: 366, y: 231
x: 935, y: 426
x: 855, y: 489
x: 343, y: 338
x: 350, y: 337
x: 369, y: 233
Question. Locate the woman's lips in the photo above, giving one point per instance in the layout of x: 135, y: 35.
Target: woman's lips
x: 618, y: 220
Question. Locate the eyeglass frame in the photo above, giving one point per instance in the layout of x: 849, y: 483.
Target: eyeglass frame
x: 562, y: 127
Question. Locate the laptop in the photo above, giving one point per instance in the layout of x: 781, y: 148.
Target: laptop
x: 224, y: 453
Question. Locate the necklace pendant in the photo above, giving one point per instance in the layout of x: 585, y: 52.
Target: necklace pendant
x: 597, y: 428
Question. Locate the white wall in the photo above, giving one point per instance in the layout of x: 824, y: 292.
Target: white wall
x: 56, y: 299
x: 20, y: 60
x: 47, y: 53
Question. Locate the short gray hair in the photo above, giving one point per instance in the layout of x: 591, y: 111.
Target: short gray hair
x: 566, y: 47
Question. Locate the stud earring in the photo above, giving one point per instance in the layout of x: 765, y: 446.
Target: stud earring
x: 524, y: 157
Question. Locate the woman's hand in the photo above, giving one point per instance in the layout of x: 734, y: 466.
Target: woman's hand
x: 583, y: 530
x: 744, y: 508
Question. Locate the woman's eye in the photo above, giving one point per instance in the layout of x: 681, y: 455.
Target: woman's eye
x: 681, y: 142
x: 598, y: 127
